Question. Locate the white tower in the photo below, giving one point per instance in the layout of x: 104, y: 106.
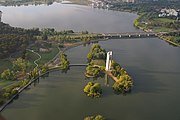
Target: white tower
x: 108, y: 60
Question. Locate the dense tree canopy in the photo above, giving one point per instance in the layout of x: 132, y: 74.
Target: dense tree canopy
x: 34, y: 73
x: 93, y: 89
x: 14, y: 39
x: 20, y: 64
x: 8, y: 75
x: 97, y: 117
x: 64, y: 63
x: 124, y: 83
x: 96, y: 52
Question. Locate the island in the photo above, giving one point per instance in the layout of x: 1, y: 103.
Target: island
x: 97, y: 57
x: 93, y: 90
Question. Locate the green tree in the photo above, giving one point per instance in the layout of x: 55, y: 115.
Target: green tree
x: 93, y: 89
x: 34, y: 73
x: 20, y: 64
x: 97, y: 117
x: 64, y: 63
x: 8, y: 75
x: 96, y: 52
x: 123, y: 85
x: 44, y: 68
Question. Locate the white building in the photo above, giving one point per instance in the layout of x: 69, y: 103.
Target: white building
x: 129, y: 1
x: 168, y: 12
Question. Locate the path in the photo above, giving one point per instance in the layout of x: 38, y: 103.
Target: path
x: 35, y: 62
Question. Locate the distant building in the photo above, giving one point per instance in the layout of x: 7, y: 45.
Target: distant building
x: 44, y: 50
x: 129, y: 1
x: 168, y: 12
x: 0, y: 15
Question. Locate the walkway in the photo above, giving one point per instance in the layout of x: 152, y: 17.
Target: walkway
x: 35, y: 62
x: 71, y: 65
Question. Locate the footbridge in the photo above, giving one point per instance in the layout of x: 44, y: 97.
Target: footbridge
x: 71, y: 65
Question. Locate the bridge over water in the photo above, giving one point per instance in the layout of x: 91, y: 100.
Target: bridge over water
x: 131, y: 35
x: 71, y: 65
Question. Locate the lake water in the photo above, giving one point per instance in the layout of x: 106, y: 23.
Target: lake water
x: 152, y: 63
x: 63, y: 17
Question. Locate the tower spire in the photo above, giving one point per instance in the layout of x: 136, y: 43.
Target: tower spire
x: 108, y: 60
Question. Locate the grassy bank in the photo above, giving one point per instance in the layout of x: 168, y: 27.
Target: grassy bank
x: 4, y: 83
x: 80, y: 2
x: 46, y: 57
x: 4, y: 64
x: 146, y: 22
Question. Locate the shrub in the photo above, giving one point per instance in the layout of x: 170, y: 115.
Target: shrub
x: 97, y: 117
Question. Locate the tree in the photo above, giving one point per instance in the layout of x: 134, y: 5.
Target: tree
x: 64, y: 63
x: 8, y: 75
x: 20, y: 64
x: 44, y: 37
x: 123, y: 85
x: 93, y: 89
x: 96, y: 52
x: 44, y: 68
x: 34, y: 73
x: 96, y: 117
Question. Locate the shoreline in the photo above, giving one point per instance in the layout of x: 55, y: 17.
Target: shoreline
x: 145, y: 30
x: 35, y: 79
x: 53, y: 69
x: 170, y: 42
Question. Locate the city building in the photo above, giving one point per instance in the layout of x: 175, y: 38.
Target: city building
x: 129, y: 1
x: 168, y: 12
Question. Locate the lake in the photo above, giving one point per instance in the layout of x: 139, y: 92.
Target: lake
x: 68, y: 16
x: 152, y: 63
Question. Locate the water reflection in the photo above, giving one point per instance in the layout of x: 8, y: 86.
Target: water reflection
x: 106, y: 80
x: 25, y: 3
x: 66, y: 16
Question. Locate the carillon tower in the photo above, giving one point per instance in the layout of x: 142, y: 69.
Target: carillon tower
x: 108, y: 60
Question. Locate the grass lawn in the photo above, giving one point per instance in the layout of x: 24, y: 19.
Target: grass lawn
x: 81, y: 2
x: 175, y: 39
x: 163, y: 20
x: 31, y: 58
x: 162, y: 29
x: 47, y: 56
x: 98, y: 62
x: 4, y: 83
x: 5, y: 64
